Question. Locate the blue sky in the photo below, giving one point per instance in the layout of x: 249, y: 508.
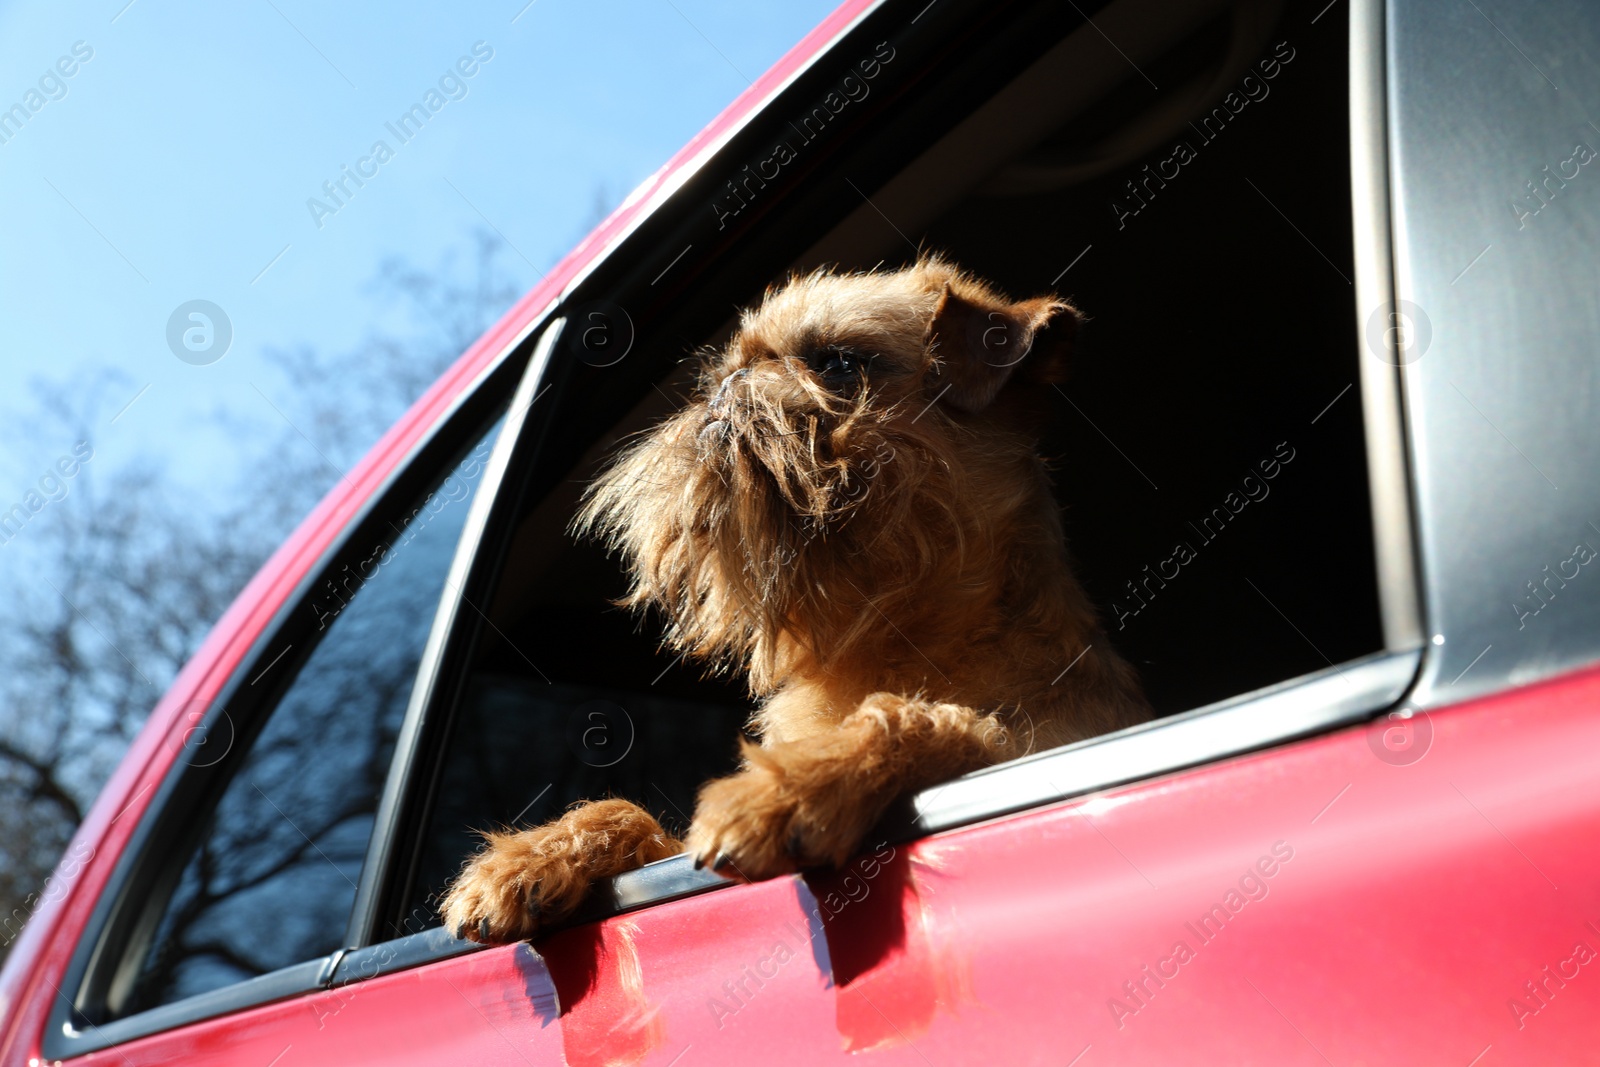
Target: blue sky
x: 176, y: 162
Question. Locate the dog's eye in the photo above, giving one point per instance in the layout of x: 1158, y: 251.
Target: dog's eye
x: 838, y: 367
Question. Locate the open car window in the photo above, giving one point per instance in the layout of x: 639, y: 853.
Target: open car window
x: 1193, y: 198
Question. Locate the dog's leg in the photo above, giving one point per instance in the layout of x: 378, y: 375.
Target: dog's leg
x: 812, y: 801
x: 520, y: 880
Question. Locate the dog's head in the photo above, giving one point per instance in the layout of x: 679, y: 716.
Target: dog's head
x: 844, y: 446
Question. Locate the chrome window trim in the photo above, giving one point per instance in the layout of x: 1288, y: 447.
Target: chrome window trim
x: 380, y: 847
x: 1340, y: 695
x: 1382, y: 375
x: 1498, y: 252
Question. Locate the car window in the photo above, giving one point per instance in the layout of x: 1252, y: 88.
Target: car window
x: 1207, y: 451
x: 272, y: 871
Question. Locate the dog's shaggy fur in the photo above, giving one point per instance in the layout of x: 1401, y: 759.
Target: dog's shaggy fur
x: 852, y: 511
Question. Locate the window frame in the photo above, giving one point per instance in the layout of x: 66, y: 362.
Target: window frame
x: 464, y: 585
x: 652, y: 250
x: 168, y: 823
x: 1341, y: 695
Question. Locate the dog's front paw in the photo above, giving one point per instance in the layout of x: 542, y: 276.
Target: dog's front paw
x: 783, y: 812
x: 496, y: 898
x: 812, y: 802
x: 523, y: 880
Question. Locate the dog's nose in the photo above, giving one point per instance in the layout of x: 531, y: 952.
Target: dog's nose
x: 720, y: 397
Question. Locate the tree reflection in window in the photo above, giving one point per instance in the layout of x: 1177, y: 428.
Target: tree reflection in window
x: 273, y: 876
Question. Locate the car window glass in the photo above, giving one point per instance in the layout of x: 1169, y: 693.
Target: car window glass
x: 272, y: 876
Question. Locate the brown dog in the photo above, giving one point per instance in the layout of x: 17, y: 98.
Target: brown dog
x: 852, y: 511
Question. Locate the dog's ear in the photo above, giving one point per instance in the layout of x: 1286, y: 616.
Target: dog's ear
x: 981, y: 341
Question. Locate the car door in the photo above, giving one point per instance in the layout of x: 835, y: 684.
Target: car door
x: 1240, y: 879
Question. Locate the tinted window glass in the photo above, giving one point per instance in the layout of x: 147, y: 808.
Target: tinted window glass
x: 272, y: 877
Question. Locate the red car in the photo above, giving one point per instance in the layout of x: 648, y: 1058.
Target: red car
x: 1326, y: 464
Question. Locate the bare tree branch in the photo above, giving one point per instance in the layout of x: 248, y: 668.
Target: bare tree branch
x: 111, y: 591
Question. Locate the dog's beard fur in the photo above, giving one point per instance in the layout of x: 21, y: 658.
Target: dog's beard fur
x: 771, y: 534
